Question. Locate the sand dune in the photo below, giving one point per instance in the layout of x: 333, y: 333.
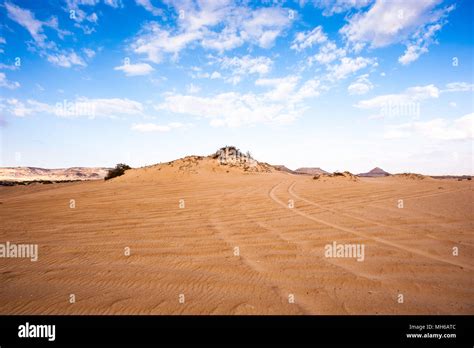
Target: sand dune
x: 186, y: 221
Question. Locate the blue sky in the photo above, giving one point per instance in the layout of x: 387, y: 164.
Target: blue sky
x: 341, y: 85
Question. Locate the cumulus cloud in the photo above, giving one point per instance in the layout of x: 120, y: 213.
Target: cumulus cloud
x: 47, y: 48
x: 89, y: 52
x: 242, y: 66
x: 459, y: 87
x: 34, y: 26
x: 220, y: 26
x: 348, y: 66
x: 400, y: 104
x: 414, y: 23
x: 114, y: 3
x: 65, y: 59
x: 222, y: 41
x: 4, y: 82
x: 310, y: 89
x: 327, y: 54
x: 80, y: 107
x: 229, y: 109
x: 281, y: 88
x: 360, y: 86
x: 308, y: 39
x: 388, y: 22
x: 437, y: 129
x: 147, y: 5
x: 155, y: 41
x: 416, y: 93
x: 331, y: 7
x: 280, y: 102
x: 139, y: 69
x: 193, y: 89
x: 419, y: 44
x: 19, y: 108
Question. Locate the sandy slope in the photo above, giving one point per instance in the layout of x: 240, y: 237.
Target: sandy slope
x: 190, y: 251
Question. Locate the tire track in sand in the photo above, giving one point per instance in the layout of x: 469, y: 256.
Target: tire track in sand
x: 258, y: 271
x: 271, y: 195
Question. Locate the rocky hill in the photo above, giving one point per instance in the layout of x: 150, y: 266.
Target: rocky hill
x: 374, y: 173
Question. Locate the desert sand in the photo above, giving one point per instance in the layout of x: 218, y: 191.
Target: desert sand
x: 206, y: 238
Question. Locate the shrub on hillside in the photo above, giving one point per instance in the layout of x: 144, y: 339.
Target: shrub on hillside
x: 117, y: 171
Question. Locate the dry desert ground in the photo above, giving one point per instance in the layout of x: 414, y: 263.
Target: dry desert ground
x: 209, y: 239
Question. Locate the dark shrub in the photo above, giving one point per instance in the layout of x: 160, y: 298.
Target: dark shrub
x: 117, y: 171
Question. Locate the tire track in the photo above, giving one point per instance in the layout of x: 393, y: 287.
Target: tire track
x: 272, y: 196
x: 338, y: 211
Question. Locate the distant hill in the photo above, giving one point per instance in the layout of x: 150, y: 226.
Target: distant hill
x: 311, y: 171
x: 22, y: 174
x: 283, y: 168
x: 376, y: 172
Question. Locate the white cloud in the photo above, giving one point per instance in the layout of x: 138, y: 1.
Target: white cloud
x: 338, y: 6
x: 2, y: 42
x: 412, y: 94
x: 280, y: 103
x: 65, y: 59
x: 80, y: 107
x: 419, y: 44
x: 4, y: 82
x: 327, y: 54
x: 111, y: 107
x: 139, y: 69
x: 234, y: 68
x: 193, y: 89
x: 360, y: 86
x: 406, y: 103
x: 225, y: 40
x: 155, y: 41
x: 114, y: 3
x: 436, y: 129
x: 79, y: 15
x: 394, y: 21
x: 307, y: 39
x: 152, y: 127
x: 229, y: 109
x: 18, y: 108
x: 35, y: 27
x: 217, y: 25
x: 147, y: 5
x: 459, y: 87
x: 47, y: 49
x: 265, y: 25
x: 310, y: 89
x: 89, y: 53
x: 281, y: 88
x: 348, y: 66
x: 247, y: 65
x: 215, y: 75
x: 411, y: 54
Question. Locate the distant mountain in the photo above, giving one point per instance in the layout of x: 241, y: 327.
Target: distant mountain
x: 20, y: 174
x: 310, y: 171
x: 283, y: 168
x: 376, y: 172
